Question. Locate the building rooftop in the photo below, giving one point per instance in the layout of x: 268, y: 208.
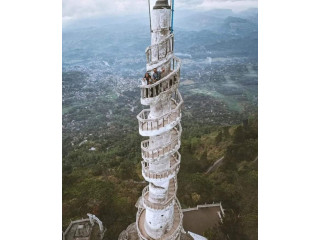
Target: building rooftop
x: 201, y: 218
x: 84, y: 229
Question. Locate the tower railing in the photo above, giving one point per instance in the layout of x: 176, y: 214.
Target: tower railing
x: 138, y: 216
x: 174, y: 232
x: 174, y: 168
x: 149, y: 123
x: 160, y: 205
x: 157, y: 50
x: 155, y: 153
x: 165, y: 84
x: 177, y: 232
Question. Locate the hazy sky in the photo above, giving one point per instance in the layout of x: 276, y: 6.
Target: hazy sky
x: 75, y: 9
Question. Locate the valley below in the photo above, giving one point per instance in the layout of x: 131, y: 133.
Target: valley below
x: 103, y: 63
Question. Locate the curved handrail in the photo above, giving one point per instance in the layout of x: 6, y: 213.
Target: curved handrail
x: 165, y: 84
x: 155, y: 124
x: 161, y: 151
x: 176, y: 233
x: 151, y: 124
x: 139, y: 212
x: 167, y: 236
x: 178, y: 61
x: 164, y: 174
x: 161, y: 42
x: 169, y: 41
x: 143, y: 116
x: 158, y: 206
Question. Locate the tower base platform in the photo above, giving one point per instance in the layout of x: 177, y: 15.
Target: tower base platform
x: 131, y: 234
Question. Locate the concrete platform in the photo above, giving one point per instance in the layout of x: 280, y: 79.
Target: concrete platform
x: 201, y: 218
x: 82, y: 230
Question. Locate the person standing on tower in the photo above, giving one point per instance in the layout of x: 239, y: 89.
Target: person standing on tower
x: 147, y: 79
x: 156, y: 77
x: 157, y: 74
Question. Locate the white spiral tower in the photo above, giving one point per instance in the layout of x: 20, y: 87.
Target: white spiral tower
x: 159, y: 213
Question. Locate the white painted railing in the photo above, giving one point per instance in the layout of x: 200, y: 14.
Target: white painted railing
x: 89, y: 220
x: 160, y: 50
x: 171, y: 235
x: 165, y: 84
x: 161, y: 205
x: 150, y: 124
x: 174, y: 235
x: 140, y: 210
x: 208, y: 206
x: 174, y: 168
x: 171, y: 147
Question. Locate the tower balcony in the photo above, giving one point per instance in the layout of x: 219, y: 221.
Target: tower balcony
x: 172, y: 234
x: 150, y: 154
x: 152, y: 92
x: 149, y: 126
x: 162, y: 205
x: 150, y: 175
x: 159, y: 53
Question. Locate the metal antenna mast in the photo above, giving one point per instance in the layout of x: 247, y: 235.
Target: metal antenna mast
x: 149, y: 15
x: 172, y: 10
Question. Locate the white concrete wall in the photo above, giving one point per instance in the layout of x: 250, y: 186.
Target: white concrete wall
x: 160, y: 107
x: 158, y: 192
x: 158, y: 221
x: 160, y: 24
x: 160, y: 165
x: 160, y: 140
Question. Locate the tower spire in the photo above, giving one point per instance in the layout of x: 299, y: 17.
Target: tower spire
x: 160, y: 4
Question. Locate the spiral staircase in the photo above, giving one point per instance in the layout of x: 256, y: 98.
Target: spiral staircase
x: 159, y: 213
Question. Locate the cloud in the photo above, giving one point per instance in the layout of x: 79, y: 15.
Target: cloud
x: 235, y: 5
x: 75, y: 9
x: 89, y: 8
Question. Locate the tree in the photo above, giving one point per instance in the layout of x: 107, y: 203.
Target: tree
x: 239, y: 135
x: 195, y: 197
x: 218, y: 138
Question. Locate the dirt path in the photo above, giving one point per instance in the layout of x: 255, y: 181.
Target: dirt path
x: 215, y: 165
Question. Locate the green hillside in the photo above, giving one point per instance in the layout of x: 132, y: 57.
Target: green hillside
x: 234, y: 183
x: 108, y: 182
